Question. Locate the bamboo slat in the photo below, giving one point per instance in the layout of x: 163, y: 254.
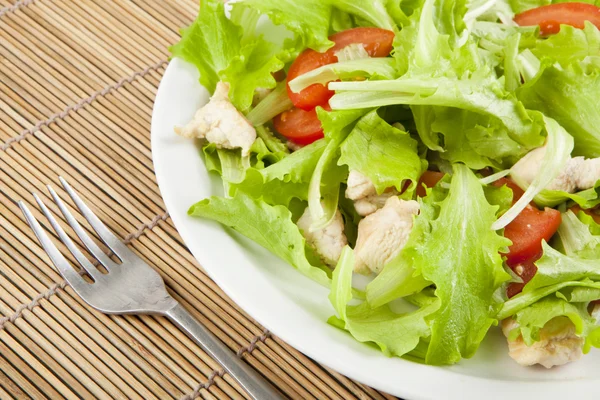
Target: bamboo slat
x: 77, y: 85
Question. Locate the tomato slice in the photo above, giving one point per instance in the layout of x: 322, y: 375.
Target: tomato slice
x: 526, y: 271
x: 429, y: 179
x: 301, y: 127
x: 377, y: 42
x: 529, y: 228
x: 527, y: 232
x: 550, y: 17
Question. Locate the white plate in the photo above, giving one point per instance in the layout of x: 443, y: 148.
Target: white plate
x: 296, y: 309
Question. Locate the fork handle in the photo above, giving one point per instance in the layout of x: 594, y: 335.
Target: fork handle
x: 254, y: 384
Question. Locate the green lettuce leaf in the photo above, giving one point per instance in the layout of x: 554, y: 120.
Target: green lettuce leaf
x: 340, y: 21
x: 269, y: 226
x: 576, y: 238
x: 263, y: 155
x: 373, y: 68
x: 525, y: 299
x: 399, y: 16
x: 579, y: 261
x: 211, y: 158
x: 512, y: 76
x: 228, y: 163
x: 424, y: 117
x: 422, y: 298
x: 250, y: 70
x: 479, y: 95
x: 498, y: 196
x: 589, y: 198
x: 211, y: 42
x: 555, y: 267
x: 424, y: 45
x: 326, y: 180
x: 395, y: 151
x: 274, y: 104
x: 547, y: 313
x: 351, y: 217
x: 341, y: 287
x: 221, y: 50
x: 272, y: 143
x: 492, y: 141
x: 397, y: 280
x: 395, y: 334
x: 334, y: 122
x: 467, y: 270
x: 579, y: 294
x: 553, y: 306
x: 233, y: 165
x: 309, y: 19
x: 374, y: 11
x: 590, y: 222
x: 459, y: 127
x: 246, y: 18
x: 285, y: 180
x: 569, y: 45
x: 568, y: 95
x: 519, y: 6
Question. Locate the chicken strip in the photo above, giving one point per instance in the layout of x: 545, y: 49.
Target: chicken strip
x: 383, y: 234
x: 219, y: 122
x: 579, y: 173
x: 328, y: 242
x: 363, y: 192
x: 558, y: 344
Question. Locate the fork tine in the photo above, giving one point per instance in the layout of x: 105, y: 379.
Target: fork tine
x: 106, y: 235
x: 85, y: 238
x: 61, y: 263
x: 83, y: 261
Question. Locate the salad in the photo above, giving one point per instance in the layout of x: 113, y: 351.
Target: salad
x: 447, y: 149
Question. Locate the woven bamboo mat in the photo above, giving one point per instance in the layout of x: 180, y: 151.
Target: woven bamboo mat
x: 77, y: 83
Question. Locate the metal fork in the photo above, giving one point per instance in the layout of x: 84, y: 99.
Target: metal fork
x: 132, y: 287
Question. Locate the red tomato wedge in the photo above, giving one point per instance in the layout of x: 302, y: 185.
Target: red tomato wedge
x: 527, y: 232
x: 429, y: 179
x: 549, y: 18
x: 377, y: 42
x: 529, y: 228
x: 301, y: 127
x: 526, y: 271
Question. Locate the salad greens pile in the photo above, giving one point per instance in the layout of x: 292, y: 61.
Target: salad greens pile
x: 471, y: 91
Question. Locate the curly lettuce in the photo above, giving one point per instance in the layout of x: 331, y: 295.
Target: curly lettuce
x: 467, y: 270
x: 223, y: 51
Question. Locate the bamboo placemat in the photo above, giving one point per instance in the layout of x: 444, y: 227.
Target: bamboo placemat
x: 77, y: 84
